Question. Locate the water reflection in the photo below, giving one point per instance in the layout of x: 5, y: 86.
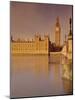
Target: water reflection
x: 36, y: 64
x: 38, y: 76
x: 41, y: 65
x: 67, y: 71
x: 67, y: 85
x: 67, y: 76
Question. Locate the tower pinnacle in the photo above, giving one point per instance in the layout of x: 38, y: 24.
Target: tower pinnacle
x: 70, y: 23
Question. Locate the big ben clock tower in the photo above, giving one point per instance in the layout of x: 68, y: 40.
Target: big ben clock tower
x: 57, y: 32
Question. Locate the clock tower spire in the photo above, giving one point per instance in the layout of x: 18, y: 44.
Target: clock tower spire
x: 57, y: 32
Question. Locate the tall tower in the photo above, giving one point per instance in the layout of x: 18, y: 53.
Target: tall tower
x: 70, y: 40
x: 37, y: 39
x: 57, y: 32
x: 46, y: 43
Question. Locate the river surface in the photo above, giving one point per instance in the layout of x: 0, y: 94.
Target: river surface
x: 39, y: 75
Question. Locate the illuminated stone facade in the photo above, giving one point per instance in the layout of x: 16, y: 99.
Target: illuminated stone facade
x: 36, y: 46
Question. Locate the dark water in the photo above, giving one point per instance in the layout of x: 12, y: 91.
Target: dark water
x: 39, y: 76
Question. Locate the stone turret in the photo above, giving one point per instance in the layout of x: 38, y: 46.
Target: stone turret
x: 70, y: 31
x: 37, y: 37
x: 70, y: 40
x: 11, y: 38
x: 67, y: 49
x: 46, y: 42
x: 70, y: 23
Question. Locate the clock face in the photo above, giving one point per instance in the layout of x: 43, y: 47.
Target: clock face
x: 57, y: 28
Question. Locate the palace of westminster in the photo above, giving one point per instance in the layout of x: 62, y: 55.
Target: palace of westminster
x: 43, y: 46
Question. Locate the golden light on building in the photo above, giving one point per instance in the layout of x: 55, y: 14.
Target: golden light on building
x: 36, y: 46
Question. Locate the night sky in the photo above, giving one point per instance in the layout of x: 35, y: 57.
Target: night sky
x: 28, y: 18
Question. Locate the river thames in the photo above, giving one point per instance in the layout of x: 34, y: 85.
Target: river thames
x: 39, y: 75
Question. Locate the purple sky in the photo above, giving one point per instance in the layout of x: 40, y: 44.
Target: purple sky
x: 29, y: 18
